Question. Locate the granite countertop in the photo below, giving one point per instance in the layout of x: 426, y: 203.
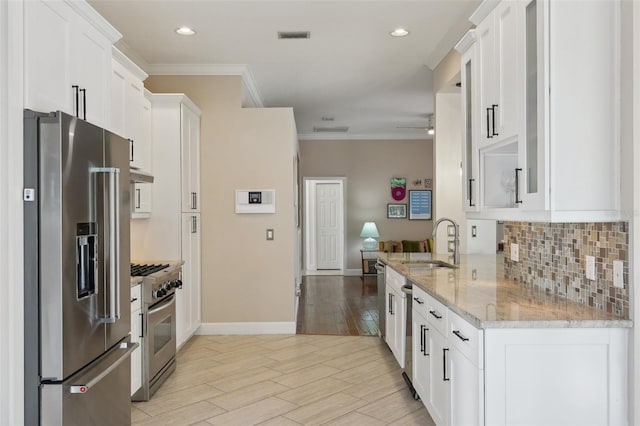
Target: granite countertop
x: 135, y: 281
x: 478, y: 291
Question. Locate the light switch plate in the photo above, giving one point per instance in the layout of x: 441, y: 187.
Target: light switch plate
x: 618, y: 270
x: 515, y: 252
x: 269, y: 234
x: 590, y: 267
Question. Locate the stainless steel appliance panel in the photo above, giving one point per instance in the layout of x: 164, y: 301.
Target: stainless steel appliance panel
x: 161, y: 331
x: 72, y: 331
x: 91, y: 396
x: 382, y: 312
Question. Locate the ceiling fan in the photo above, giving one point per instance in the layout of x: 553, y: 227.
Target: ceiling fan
x: 428, y: 128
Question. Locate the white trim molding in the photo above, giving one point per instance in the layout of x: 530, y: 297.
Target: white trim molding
x: 327, y: 136
x: 246, y: 328
x: 249, y: 88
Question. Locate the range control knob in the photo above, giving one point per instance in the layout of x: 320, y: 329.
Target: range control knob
x: 176, y: 283
x: 166, y: 286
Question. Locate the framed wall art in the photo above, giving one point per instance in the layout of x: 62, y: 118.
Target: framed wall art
x: 419, y: 205
x: 396, y: 211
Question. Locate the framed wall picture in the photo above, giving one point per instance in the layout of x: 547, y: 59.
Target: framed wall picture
x: 419, y: 205
x: 396, y: 211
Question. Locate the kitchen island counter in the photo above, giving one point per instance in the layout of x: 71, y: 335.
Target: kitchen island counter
x: 479, y: 292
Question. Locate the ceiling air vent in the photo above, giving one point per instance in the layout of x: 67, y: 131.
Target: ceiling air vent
x: 293, y: 34
x: 337, y: 129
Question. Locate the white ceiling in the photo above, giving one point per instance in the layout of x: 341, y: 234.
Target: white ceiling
x: 350, y: 69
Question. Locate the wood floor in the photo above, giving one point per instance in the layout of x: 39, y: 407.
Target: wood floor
x: 279, y: 380
x: 337, y: 305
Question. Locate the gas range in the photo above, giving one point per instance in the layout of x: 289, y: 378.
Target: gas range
x: 159, y: 284
x: 159, y: 280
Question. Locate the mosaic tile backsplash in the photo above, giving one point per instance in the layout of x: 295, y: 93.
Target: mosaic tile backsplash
x: 552, y: 257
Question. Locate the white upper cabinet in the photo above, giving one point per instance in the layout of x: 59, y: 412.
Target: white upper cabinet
x: 498, y: 57
x: 546, y: 121
x: 68, y: 59
x: 190, y: 150
x: 128, y: 108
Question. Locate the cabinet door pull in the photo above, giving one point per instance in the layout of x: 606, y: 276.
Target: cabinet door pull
x: 418, y: 301
x: 488, y: 124
x: 194, y: 224
x: 460, y: 336
x: 131, y: 145
x: 426, y: 341
x: 76, y: 95
x: 137, y: 198
x: 84, y: 103
x: 518, y: 200
x: 422, y: 327
x: 471, y: 192
x: 142, y: 330
x: 444, y: 365
x: 194, y: 200
x: 134, y: 299
x: 493, y: 120
x: 391, y: 303
x: 435, y: 314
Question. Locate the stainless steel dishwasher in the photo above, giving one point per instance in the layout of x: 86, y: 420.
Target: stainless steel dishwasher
x: 382, y: 312
x: 407, y: 374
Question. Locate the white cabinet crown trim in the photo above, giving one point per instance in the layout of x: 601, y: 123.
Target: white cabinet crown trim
x: 248, y: 82
x: 467, y: 41
x: 174, y: 98
x: 95, y: 19
x: 483, y: 11
x: 128, y: 64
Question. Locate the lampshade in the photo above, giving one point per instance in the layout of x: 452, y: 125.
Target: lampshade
x: 369, y: 233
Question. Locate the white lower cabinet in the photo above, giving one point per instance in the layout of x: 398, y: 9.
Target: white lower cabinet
x: 136, y: 334
x: 188, y: 317
x: 396, y: 314
x: 503, y: 376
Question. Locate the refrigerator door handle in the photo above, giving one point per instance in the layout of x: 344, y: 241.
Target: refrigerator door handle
x: 93, y: 376
x: 114, y: 239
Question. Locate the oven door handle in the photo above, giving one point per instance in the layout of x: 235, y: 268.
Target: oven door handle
x: 164, y: 304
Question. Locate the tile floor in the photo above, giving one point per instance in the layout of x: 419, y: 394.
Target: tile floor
x: 283, y: 380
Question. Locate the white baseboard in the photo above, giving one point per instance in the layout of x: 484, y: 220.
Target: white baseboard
x: 342, y: 272
x: 225, y: 328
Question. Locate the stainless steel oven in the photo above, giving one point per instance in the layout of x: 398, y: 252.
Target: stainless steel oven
x: 161, y: 335
x: 158, y: 325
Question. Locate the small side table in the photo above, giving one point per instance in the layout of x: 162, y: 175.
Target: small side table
x: 369, y: 259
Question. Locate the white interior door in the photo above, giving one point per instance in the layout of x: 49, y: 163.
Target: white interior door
x: 328, y: 229
x: 324, y: 225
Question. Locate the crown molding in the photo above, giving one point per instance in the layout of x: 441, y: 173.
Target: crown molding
x: 92, y: 16
x: 253, y: 98
x: 485, y: 8
x: 128, y: 64
x: 346, y: 136
x: 466, y: 41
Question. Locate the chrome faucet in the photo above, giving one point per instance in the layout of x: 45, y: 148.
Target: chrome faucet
x: 456, y: 237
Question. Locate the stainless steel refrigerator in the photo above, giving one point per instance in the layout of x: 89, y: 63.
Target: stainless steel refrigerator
x: 76, y: 250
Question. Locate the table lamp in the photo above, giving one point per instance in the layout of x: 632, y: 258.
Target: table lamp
x: 369, y: 233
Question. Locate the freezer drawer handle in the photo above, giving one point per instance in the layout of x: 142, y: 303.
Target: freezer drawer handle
x: 84, y: 388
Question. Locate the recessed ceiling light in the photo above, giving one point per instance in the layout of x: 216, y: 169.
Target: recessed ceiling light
x: 186, y: 31
x: 399, y: 32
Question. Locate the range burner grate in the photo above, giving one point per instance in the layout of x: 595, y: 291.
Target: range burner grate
x: 138, y: 270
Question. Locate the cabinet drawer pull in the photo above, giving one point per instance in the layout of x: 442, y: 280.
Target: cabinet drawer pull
x: 134, y: 299
x: 418, y: 300
x: 444, y: 365
x: 137, y: 198
x: 435, y: 314
x: 194, y: 200
x: 422, y: 327
x: 460, y: 336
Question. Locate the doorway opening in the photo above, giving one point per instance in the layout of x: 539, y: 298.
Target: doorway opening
x: 324, y: 230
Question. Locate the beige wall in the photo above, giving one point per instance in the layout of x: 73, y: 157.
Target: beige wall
x: 368, y: 166
x: 446, y: 70
x: 244, y: 277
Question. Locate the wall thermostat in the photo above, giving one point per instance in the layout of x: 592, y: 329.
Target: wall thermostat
x: 255, y: 201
